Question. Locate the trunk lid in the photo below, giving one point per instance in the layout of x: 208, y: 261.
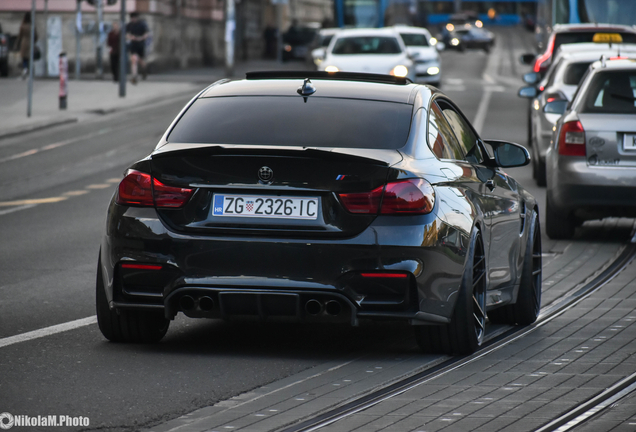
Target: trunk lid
x: 269, y: 191
x: 610, y: 139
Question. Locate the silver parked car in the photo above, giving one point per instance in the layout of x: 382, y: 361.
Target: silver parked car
x: 560, y: 83
x: 591, y: 167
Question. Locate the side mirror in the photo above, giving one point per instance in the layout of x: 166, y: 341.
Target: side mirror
x: 508, y: 155
x: 441, y: 46
x: 528, y: 92
x: 556, y: 107
x: 531, y: 78
x: 527, y: 59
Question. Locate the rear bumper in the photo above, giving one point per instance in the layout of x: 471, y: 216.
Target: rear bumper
x: 293, y: 279
x: 573, y: 184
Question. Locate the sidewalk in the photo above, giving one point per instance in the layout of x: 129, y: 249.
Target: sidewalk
x: 90, y: 97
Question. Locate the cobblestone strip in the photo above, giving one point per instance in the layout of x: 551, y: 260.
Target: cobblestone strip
x: 529, y: 382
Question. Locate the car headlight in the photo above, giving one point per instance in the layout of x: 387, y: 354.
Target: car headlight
x: 454, y: 41
x: 433, y: 70
x: 450, y: 27
x: 433, y: 41
x: 400, y: 71
x: 331, y: 69
x: 479, y: 24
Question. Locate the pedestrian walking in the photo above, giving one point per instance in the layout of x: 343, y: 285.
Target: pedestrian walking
x: 24, y: 42
x: 137, y: 33
x: 113, y: 46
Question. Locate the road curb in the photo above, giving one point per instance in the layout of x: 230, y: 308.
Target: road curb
x: 21, y: 130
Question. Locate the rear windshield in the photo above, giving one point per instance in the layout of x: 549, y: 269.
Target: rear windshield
x: 367, y: 45
x: 575, y: 72
x: 611, y: 92
x: 289, y: 121
x: 582, y: 37
x: 414, y: 39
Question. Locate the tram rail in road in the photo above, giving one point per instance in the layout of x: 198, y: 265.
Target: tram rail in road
x: 495, y: 342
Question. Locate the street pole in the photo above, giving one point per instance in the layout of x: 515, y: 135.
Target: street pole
x: 230, y: 26
x: 30, y: 86
x: 78, y: 27
x: 46, y: 41
x: 123, y: 57
x: 100, y: 25
x: 458, y: 5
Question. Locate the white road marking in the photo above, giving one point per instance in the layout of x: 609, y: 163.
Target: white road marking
x: 54, y: 145
x: 47, y: 331
x: 15, y: 209
x: 482, y: 110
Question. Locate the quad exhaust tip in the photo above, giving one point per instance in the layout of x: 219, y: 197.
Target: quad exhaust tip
x: 206, y: 304
x: 186, y: 303
x: 315, y: 307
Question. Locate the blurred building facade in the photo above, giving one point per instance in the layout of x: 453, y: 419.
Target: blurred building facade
x: 184, y: 33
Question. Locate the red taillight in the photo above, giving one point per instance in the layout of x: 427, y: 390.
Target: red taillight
x: 140, y: 189
x: 364, y: 202
x: 170, y: 196
x: 572, y: 139
x: 547, y: 55
x: 413, y: 196
x: 142, y: 266
x: 135, y: 189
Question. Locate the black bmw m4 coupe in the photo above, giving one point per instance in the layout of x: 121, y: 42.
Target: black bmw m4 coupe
x: 322, y: 197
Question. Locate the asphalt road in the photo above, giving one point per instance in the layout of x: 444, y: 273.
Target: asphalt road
x: 48, y: 255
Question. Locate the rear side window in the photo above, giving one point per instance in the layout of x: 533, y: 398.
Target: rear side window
x: 464, y: 132
x: 414, y: 39
x: 440, y: 136
x: 367, y: 45
x: 611, y: 92
x: 289, y: 121
x: 575, y: 72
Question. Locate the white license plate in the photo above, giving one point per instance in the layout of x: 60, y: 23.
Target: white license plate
x: 265, y: 206
x: 629, y: 142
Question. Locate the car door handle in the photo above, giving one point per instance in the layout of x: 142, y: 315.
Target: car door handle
x: 490, y: 185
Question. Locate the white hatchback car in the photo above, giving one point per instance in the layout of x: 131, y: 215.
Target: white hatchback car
x: 380, y: 51
x: 422, y: 48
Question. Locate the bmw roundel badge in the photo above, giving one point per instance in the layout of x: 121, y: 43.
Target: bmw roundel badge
x: 265, y: 174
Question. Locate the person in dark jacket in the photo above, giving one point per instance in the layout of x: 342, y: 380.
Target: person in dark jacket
x: 113, y: 46
x: 24, y: 42
x: 136, y: 33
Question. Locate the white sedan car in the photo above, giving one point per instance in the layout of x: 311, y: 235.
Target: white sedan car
x: 380, y: 51
x: 422, y: 48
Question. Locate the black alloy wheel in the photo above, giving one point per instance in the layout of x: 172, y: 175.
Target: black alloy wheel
x: 139, y: 326
x: 467, y: 328
x: 526, y: 310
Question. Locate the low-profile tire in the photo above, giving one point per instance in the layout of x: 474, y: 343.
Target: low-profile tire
x: 128, y: 325
x: 467, y: 328
x: 526, y: 310
x: 541, y: 177
x: 559, y: 224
